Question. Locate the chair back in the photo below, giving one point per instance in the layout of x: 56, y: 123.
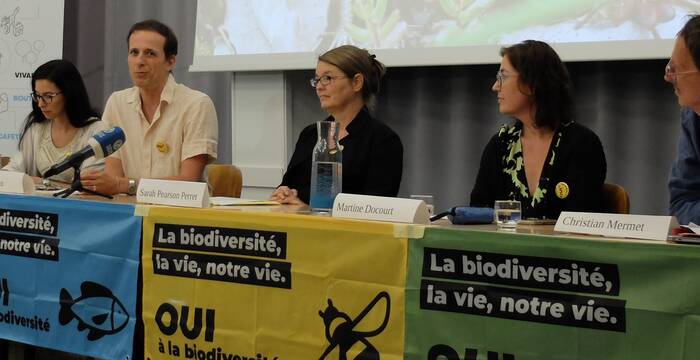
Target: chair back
x: 615, y: 199
x: 224, y: 180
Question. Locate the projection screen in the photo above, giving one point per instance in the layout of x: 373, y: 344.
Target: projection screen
x: 247, y: 35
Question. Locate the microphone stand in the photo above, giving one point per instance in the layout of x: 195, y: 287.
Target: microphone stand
x: 78, y: 186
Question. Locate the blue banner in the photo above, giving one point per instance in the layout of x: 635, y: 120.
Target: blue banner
x: 68, y: 274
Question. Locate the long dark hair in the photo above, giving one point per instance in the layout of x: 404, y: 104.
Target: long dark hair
x: 542, y: 71
x: 77, y: 102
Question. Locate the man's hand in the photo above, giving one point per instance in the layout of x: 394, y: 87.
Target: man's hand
x: 101, y: 182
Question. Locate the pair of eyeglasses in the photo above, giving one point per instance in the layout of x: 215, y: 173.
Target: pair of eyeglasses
x: 671, y: 74
x: 502, y: 76
x: 46, y: 98
x: 323, y: 80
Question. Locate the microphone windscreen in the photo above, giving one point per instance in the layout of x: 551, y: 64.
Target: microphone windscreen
x: 109, y: 141
x: 462, y: 215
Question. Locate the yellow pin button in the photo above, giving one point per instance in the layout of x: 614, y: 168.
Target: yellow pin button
x: 162, y: 146
x: 562, y: 190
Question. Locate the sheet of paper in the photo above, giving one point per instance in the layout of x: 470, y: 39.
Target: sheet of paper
x: 229, y: 201
x: 695, y: 228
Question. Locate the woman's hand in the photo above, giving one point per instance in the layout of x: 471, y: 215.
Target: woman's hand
x: 285, y: 195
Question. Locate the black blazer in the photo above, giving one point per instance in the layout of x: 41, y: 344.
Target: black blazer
x: 372, y: 159
x: 575, y: 158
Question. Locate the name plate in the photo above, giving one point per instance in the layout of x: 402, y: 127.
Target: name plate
x: 16, y: 183
x: 616, y: 225
x: 171, y: 192
x: 379, y: 208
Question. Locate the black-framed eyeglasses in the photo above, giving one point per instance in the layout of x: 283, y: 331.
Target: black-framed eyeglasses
x: 46, y: 98
x: 502, y: 76
x: 323, y: 80
x: 671, y: 75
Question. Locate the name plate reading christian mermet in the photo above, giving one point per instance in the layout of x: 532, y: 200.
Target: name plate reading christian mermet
x: 616, y: 225
x: 380, y: 208
x: 16, y: 183
x: 175, y: 193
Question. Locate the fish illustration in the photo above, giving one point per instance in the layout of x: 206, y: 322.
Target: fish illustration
x: 96, y: 309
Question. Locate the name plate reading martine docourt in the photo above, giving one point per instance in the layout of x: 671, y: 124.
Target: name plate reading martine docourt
x: 174, y: 193
x: 616, y: 225
x: 380, y: 208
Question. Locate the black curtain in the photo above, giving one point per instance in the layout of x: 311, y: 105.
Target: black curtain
x: 444, y: 115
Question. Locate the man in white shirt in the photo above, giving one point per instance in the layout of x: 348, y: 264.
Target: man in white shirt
x: 171, y: 130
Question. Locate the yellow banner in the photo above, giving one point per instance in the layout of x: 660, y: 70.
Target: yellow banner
x: 224, y: 285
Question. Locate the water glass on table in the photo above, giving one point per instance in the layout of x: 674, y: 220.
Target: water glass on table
x: 506, y: 213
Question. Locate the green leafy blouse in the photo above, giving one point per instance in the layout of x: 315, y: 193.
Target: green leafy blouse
x: 575, y: 161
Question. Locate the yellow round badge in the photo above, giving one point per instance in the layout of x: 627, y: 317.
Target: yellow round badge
x: 162, y: 146
x: 562, y: 190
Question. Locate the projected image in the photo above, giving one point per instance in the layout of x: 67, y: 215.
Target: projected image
x: 235, y: 27
x: 503, y: 21
x: 230, y: 27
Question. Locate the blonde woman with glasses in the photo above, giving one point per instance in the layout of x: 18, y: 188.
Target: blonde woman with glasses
x: 347, y: 81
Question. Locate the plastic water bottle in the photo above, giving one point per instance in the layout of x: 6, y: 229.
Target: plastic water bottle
x: 326, y: 167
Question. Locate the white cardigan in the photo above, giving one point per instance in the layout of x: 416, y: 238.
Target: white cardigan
x: 38, y: 153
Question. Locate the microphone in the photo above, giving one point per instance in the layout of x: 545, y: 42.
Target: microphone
x: 100, y: 145
x: 463, y: 215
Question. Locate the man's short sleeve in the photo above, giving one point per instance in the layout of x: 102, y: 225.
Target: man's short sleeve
x: 201, y: 132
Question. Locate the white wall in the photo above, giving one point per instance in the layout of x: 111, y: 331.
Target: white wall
x: 260, y: 130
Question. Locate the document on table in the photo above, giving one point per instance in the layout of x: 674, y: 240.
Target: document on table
x: 687, y: 234
x: 229, y: 201
x: 693, y: 227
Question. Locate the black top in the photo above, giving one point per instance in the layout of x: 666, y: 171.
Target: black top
x: 575, y: 162
x: 372, y: 159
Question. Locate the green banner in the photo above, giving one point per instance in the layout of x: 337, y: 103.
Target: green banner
x: 491, y: 295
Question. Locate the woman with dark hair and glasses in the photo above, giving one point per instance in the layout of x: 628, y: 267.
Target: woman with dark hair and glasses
x: 61, y: 122
x: 544, y: 159
x: 347, y: 82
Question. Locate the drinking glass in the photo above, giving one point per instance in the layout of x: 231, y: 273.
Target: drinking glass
x: 506, y: 213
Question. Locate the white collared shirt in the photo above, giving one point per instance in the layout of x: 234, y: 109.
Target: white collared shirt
x: 183, y: 126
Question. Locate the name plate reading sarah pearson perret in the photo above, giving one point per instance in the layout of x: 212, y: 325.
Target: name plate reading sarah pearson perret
x: 616, y: 225
x: 380, y: 208
x: 16, y: 183
x: 174, y: 193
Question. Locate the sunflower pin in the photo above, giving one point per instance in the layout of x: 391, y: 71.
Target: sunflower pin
x: 162, y: 147
x: 562, y: 190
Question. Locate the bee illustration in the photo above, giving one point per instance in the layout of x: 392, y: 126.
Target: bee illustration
x: 341, y: 333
